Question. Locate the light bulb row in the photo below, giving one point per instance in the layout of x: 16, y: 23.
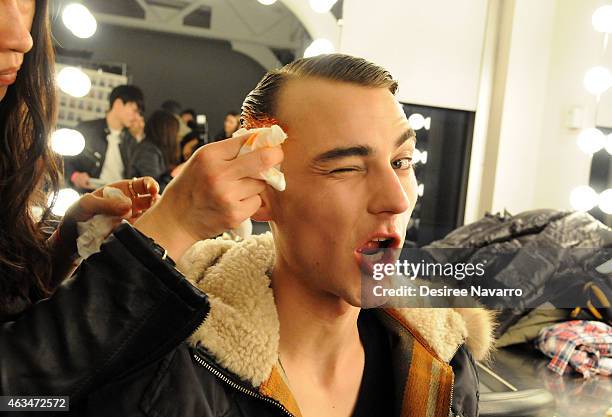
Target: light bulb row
x: 585, y: 198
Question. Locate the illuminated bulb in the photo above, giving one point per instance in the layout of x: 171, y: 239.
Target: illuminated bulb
x: 79, y: 20
x: 421, y: 190
x: 417, y: 121
x: 416, y: 156
x: 73, y: 81
x: 424, y: 157
x: 65, y: 198
x: 591, y: 140
x: 605, y: 201
x: 583, y: 198
x: 597, y: 80
x: 318, y: 47
x: 67, y: 142
x: 602, y: 19
x: 322, y: 6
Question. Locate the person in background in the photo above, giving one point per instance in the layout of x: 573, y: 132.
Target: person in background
x: 174, y: 107
x: 108, y: 143
x: 231, y: 124
x: 137, y: 128
x: 189, y: 117
x: 157, y: 155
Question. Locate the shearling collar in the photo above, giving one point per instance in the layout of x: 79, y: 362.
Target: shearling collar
x: 241, y: 331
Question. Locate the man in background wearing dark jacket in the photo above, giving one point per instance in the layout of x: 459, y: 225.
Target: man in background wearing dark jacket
x: 108, y: 143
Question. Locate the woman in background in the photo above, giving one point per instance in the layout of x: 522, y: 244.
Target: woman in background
x: 158, y: 154
x: 231, y: 124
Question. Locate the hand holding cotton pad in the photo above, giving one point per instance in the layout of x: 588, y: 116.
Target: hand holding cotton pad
x: 95, y: 230
x: 265, y: 137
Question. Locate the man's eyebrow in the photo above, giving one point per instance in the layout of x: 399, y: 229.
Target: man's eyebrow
x: 405, y: 136
x: 337, y: 153
x: 360, y: 150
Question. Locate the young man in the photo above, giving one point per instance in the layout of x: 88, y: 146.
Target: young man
x: 108, y: 142
x: 285, y: 335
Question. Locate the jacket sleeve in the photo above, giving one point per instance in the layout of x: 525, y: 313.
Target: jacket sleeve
x: 124, y: 309
x: 148, y: 161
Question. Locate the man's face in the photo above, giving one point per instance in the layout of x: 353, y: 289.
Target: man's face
x: 349, y: 179
x: 128, y: 112
x: 231, y: 123
x: 187, y: 117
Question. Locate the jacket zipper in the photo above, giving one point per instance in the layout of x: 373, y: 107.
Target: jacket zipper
x: 239, y: 387
x: 450, y: 404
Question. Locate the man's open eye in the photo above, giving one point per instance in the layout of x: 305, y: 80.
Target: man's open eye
x: 402, y: 163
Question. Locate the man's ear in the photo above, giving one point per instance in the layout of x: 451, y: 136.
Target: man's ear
x: 264, y: 212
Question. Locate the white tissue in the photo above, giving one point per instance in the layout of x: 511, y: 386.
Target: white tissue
x: 95, y: 230
x: 265, y: 137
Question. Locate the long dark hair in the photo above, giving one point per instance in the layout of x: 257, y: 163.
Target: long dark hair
x: 27, y: 166
x: 162, y: 129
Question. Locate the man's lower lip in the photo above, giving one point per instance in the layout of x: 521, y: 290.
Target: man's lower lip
x: 8, y: 79
x: 367, y: 266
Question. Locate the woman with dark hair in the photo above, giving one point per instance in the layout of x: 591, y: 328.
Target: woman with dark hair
x: 231, y: 123
x: 127, y: 305
x: 157, y: 155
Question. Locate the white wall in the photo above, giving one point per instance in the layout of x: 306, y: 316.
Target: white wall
x: 575, y: 48
x: 522, y: 76
x: 519, y: 161
x: 432, y: 47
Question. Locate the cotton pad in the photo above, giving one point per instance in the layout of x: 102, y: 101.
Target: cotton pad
x: 95, y: 230
x: 262, y: 138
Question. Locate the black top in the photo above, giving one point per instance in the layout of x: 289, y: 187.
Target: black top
x: 376, y: 390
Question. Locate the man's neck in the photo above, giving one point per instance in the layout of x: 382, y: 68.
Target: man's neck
x: 314, y: 326
x: 113, y: 121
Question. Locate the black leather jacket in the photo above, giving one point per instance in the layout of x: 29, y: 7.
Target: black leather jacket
x: 91, y: 160
x: 188, y: 382
x: 123, y: 311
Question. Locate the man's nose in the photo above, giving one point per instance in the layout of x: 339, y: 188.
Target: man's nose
x: 14, y: 28
x: 389, y: 196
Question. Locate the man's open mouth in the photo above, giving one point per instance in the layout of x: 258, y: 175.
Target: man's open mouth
x: 377, y: 250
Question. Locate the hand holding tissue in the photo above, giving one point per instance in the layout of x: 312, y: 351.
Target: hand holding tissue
x: 261, y: 138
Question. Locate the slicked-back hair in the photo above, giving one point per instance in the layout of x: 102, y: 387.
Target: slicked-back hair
x: 259, y: 107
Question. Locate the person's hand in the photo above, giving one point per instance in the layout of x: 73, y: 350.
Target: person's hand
x: 215, y: 191
x: 81, y: 180
x: 142, y: 194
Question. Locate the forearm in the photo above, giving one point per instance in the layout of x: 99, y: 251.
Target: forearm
x: 165, y: 233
